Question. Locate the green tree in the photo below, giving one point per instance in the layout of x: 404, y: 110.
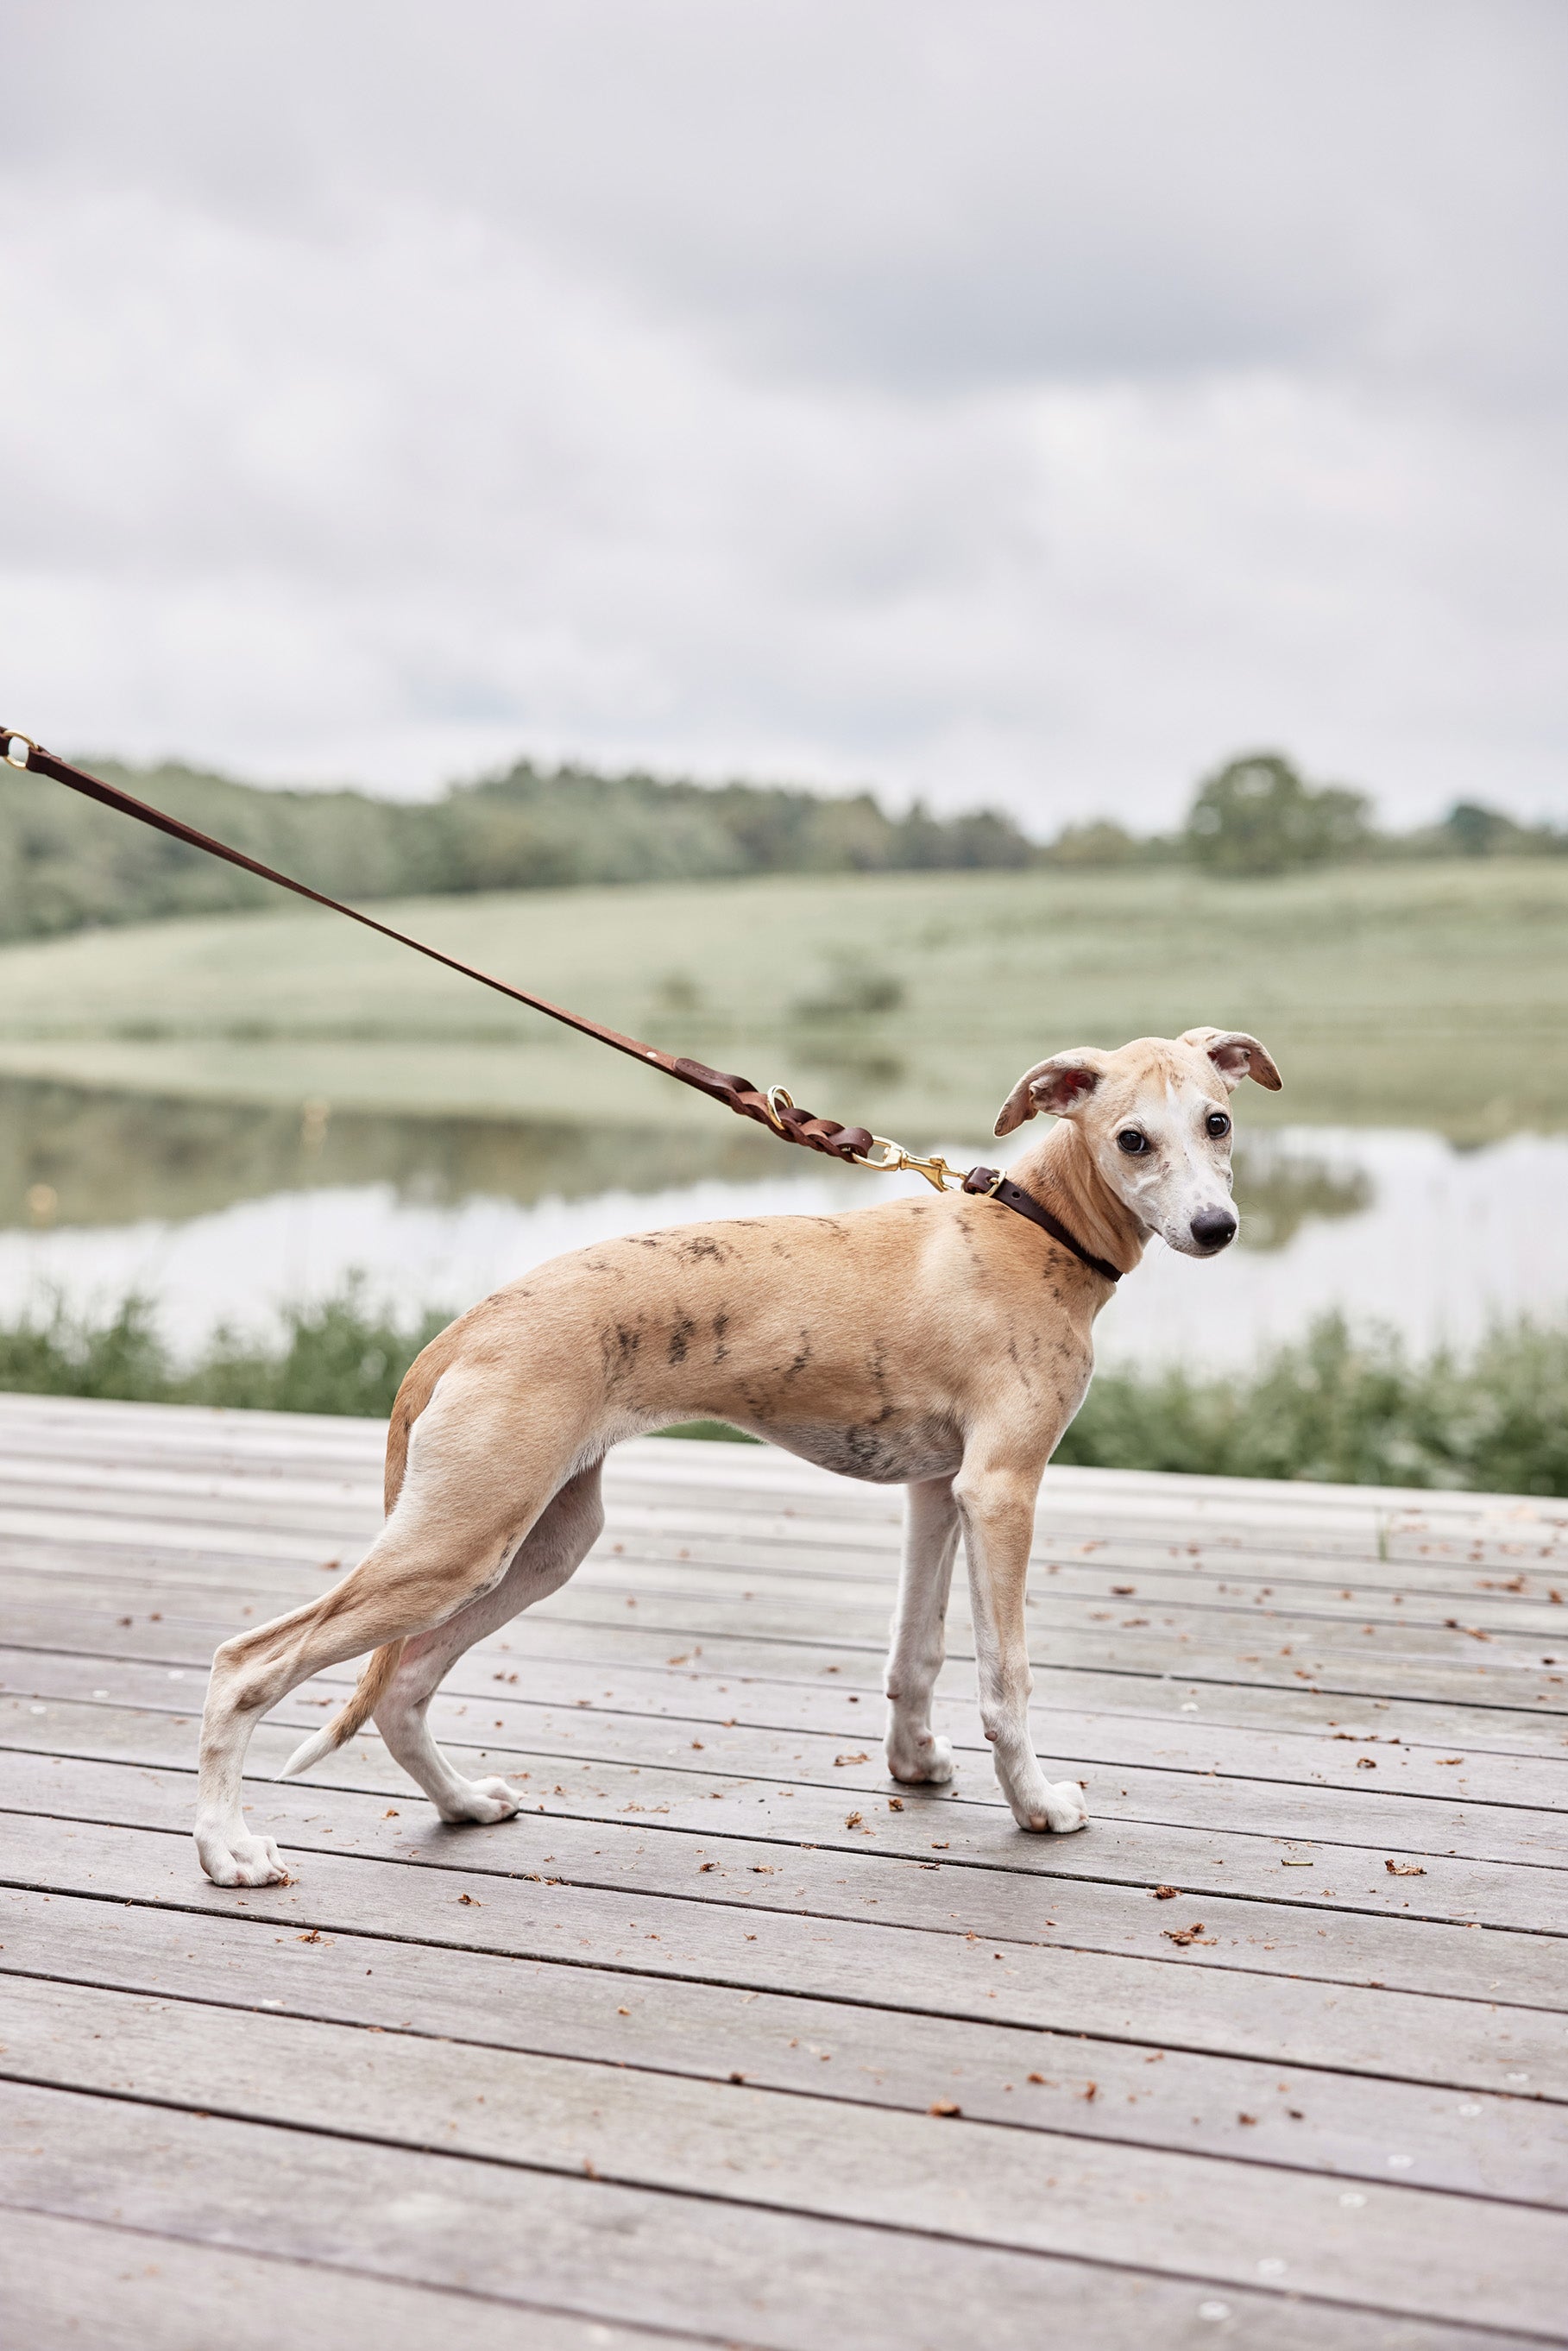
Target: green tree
x: 1258, y: 815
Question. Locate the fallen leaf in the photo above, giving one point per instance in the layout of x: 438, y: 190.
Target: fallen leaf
x: 850, y: 1759
x: 472, y: 1904
x: 1186, y: 1934
x: 944, y: 2107
x: 1166, y: 1893
x: 1089, y: 2094
x: 895, y: 1803
x: 1367, y: 1762
x: 1404, y: 1869
x: 391, y: 1813
x: 853, y: 1821
x: 1037, y: 2077
x: 1246, y: 2118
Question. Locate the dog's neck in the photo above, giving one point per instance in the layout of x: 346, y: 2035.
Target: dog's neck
x: 1060, y: 1172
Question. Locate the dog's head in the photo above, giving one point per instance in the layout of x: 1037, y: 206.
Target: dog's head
x: 1154, y: 1116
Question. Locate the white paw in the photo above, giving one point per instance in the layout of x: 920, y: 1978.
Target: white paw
x: 481, y: 1800
x: 913, y: 1758
x: 1057, y: 1807
x: 232, y: 1856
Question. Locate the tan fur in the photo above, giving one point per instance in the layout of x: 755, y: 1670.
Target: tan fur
x: 941, y: 1343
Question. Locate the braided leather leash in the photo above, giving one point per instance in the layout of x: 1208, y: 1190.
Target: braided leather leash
x: 771, y: 1107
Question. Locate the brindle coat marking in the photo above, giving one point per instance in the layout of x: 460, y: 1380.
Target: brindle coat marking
x: 942, y: 1343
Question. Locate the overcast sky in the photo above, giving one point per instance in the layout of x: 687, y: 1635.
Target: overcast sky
x: 994, y: 399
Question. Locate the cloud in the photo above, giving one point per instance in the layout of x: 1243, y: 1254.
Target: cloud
x: 1028, y: 403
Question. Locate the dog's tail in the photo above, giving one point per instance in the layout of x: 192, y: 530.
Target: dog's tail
x: 369, y: 1692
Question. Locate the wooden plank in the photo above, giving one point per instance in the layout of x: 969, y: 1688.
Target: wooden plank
x: 1459, y: 2042
x: 654, y: 1704
x: 855, y: 1607
x: 1378, y: 1520
x: 1222, y: 1501
x: 805, y: 1679
x: 1378, y: 1926
x: 1307, y: 2118
x: 711, y: 1529
x: 1431, y: 1664
x: 80, y: 2285
x: 1401, y: 2249
x: 620, y: 1647
x: 618, y: 2254
x: 468, y: 1711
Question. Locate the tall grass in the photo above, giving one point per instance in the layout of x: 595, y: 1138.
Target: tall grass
x: 1352, y: 1409
x: 344, y: 1355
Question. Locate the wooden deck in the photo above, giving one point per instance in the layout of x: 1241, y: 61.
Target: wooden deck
x: 723, y: 2040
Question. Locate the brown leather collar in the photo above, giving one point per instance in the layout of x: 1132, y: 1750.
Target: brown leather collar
x: 998, y: 1187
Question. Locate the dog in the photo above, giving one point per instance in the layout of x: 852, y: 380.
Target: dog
x: 942, y: 1343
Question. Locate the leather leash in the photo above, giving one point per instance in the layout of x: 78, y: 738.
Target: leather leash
x: 771, y: 1107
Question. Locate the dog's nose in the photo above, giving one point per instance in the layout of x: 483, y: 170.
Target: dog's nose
x: 1213, y: 1228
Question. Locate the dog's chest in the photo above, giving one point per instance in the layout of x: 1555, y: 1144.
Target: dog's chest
x: 889, y: 1456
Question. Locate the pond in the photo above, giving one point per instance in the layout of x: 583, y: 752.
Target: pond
x: 224, y: 1213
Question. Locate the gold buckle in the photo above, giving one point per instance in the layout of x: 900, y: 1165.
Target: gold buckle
x: 934, y: 1167
x: 11, y: 736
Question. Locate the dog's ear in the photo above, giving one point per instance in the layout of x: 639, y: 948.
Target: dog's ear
x: 1236, y: 1056
x: 1060, y: 1085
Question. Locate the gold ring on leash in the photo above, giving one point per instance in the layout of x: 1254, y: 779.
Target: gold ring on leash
x: 11, y: 738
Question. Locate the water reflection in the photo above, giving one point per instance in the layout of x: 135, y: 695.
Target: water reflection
x: 225, y: 1213
x: 112, y: 1158
x: 1281, y: 1187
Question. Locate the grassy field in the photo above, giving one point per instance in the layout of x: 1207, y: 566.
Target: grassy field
x: 1428, y: 995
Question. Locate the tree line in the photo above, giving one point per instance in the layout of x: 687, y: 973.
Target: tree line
x: 66, y: 862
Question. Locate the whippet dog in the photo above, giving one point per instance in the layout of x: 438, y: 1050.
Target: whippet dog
x: 941, y: 1343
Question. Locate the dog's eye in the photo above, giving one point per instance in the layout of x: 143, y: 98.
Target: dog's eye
x: 1218, y: 1123
x: 1131, y: 1142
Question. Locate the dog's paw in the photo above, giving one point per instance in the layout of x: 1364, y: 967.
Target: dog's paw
x: 483, y: 1800
x: 232, y: 1856
x: 1057, y: 1808
x: 925, y: 1757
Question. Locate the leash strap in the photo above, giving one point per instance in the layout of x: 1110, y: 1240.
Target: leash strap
x: 998, y: 1187
x: 771, y: 1107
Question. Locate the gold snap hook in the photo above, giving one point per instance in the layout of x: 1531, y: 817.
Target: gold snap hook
x: 11, y: 736
x: 896, y: 1161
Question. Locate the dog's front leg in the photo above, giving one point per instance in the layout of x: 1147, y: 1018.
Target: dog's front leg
x: 998, y: 1509
x: 916, y: 1649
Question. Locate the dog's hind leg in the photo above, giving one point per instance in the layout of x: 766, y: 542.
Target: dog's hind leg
x: 557, y: 1546
x: 917, y: 1647
x: 456, y: 1525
